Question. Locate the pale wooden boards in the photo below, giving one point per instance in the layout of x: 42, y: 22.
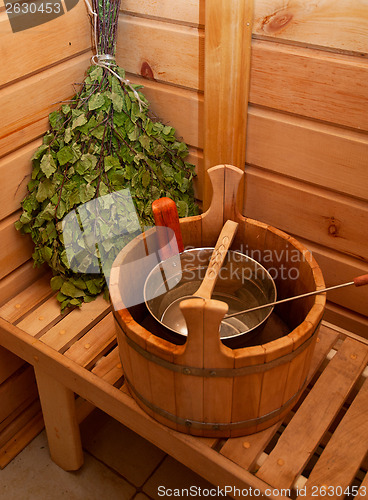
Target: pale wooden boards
x: 328, y: 24
x: 298, y: 442
x: 341, y: 459
x: 245, y: 451
x: 300, y: 143
x: 226, y: 86
x: 43, y: 45
x: 15, y: 248
x: 346, y: 319
x: 42, y: 98
x: 24, y: 427
x: 27, y: 299
x: 310, y: 151
x: 237, y: 454
x: 299, y: 84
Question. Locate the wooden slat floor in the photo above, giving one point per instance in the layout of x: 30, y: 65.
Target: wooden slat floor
x: 321, y: 445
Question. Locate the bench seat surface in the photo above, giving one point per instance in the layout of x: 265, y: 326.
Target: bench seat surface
x: 321, y: 445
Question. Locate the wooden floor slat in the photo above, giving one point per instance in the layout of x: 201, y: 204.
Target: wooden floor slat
x: 20, y: 440
x: 326, y: 339
x: 94, y: 343
x: 344, y: 453
x: 363, y: 490
x: 75, y: 324
x: 107, y: 364
x: 245, y: 450
x: 86, y: 336
x: 314, y: 417
x: 25, y: 301
x: 19, y: 422
x: 43, y: 317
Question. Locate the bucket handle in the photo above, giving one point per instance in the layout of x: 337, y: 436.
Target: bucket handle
x: 203, y: 347
x: 225, y: 180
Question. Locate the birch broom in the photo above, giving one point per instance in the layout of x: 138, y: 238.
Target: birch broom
x: 104, y: 140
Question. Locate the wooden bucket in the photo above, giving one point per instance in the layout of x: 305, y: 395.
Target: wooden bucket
x: 203, y: 387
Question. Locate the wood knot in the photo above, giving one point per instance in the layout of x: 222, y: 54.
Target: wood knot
x: 277, y: 21
x: 333, y: 227
x: 146, y: 71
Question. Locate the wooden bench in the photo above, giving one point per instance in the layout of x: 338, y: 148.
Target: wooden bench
x: 322, y: 443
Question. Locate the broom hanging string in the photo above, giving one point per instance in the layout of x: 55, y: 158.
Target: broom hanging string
x: 107, y: 60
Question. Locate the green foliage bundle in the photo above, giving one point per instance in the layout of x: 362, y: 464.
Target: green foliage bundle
x: 102, y: 141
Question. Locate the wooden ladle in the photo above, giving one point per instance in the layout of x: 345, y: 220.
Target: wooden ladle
x: 172, y: 316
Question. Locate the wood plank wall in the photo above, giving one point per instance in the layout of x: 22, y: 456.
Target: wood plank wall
x: 307, y: 144
x: 39, y: 66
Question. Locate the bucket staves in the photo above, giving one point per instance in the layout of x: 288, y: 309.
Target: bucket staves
x: 203, y: 387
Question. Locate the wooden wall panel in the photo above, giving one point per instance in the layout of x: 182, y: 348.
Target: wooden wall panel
x: 188, y: 12
x: 40, y: 66
x: 18, y: 138
x: 302, y: 81
x: 335, y: 221
x: 296, y: 147
x: 178, y: 107
x: 47, y: 44
x: 346, y: 319
x: 15, y: 248
x: 166, y: 52
x: 40, y: 94
x: 15, y: 170
x: 307, y: 123
x: 311, y: 83
x: 338, y: 268
x: 196, y: 158
x: 19, y: 279
x: 307, y: 137
x: 313, y: 152
x: 334, y: 24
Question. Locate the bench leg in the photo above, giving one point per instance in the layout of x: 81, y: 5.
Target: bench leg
x: 62, y: 429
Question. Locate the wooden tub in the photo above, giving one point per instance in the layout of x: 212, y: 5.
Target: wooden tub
x: 203, y: 387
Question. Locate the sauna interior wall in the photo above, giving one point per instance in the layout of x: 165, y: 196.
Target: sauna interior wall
x: 307, y: 143
x: 37, y: 68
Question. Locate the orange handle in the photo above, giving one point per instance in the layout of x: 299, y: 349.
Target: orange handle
x: 361, y: 280
x: 165, y: 214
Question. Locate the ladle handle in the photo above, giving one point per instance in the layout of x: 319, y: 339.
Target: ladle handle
x: 358, y: 281
x: 217, y: 259
x: 165, y: 214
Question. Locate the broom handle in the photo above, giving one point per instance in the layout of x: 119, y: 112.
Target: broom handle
x: 358, y: 281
